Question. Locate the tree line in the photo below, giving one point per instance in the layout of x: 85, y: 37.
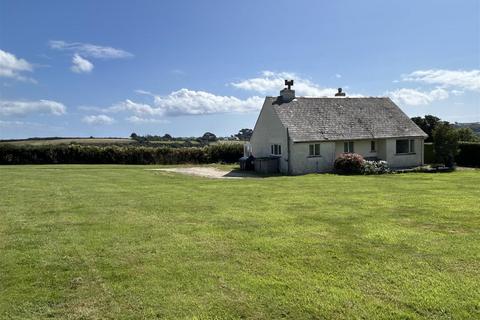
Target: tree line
x: 450, y: 141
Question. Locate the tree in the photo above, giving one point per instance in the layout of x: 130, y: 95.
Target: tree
x: 167, y: 137
x: 209, y: 137
x: 445, y: 143
x: 467, y: 134
x: 244, y: 134
x: 134, y: 136
x: 427, y: 124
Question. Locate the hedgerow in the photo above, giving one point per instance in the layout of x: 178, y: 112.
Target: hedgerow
x: 78, y: 154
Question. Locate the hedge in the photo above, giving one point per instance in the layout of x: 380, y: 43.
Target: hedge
x: 468, y: 156
x: 78, y: 154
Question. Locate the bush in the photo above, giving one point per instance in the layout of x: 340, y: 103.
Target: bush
x: 375, y: 167
x: 445, y: 144
x: 52, y: 154
x: 349, y: 163
x: 469, y: 154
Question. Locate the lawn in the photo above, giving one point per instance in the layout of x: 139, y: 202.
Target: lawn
x: 122, y: 242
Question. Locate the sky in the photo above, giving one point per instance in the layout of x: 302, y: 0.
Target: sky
x: 109, y: 68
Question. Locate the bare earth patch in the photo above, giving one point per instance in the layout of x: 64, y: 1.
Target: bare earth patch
x: 209, y: 172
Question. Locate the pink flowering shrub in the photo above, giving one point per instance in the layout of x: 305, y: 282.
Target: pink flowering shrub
x: 349, y: 163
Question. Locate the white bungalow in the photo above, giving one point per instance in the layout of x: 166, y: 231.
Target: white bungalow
x: 307, y: 134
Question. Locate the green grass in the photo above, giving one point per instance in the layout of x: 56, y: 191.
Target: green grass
x: 121, y: 242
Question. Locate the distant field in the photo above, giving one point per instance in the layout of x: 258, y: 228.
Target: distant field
x: 102, y: 141
x: 96, y: 141
x: 122, y: 242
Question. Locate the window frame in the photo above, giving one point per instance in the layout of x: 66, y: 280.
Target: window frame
x: 275, y: 149
x: 314, y: 150
x: 373, y: 144
x: 348, y: 147
x: 410, y: 145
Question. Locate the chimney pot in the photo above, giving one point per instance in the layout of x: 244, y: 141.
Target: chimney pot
x: 287, y: 94
x: 340, y: 93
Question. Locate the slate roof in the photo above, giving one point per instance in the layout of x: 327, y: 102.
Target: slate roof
x: 323, y: 119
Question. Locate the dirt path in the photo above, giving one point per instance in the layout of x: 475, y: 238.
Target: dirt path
x: 209, y: 172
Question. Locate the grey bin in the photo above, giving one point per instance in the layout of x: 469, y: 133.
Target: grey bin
x: 267, y: 165
x: 246, y: 163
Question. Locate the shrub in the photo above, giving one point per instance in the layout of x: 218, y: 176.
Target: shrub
x: 469, y: 154
x: 445, y: 144
x: 375, y: 167
x: 51, y: 154
x: 349, y: 163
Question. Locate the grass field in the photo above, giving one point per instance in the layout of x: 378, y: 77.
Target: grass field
x: 121, y: 242
x: 83, y: 141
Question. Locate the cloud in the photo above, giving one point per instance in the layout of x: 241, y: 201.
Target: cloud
x: 338, y: 75
x: 100, y: 119
x: 136, y: 119
x: 140, y: 91
x: 185, y: 101
x: 467, y: 80
x: 413, y: 97
x: 90, y: 50
x: 81, y: 65
x: 21, y: 108
x: 188, y: 102
x: 13, y: 67
x: 137, y: 108
x: 271, y: 82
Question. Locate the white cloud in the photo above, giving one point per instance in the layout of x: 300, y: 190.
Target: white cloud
x: 185, y: 101
x: 137, y: 108
x: 467, y: 80
x: 90, y: 50
x: 136, y: 119
x: 100, y: 119
x: 13, y: 67
x: 147, y: 93
x: 413, y: 97
x: 21, y: 108
x: 338, y: 75
x: 272, y: 82
x: 188, y: 102
x: 81, y: 65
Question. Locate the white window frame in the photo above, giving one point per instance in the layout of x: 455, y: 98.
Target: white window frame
x: 276, y: 149
x: 411, y: 146
x: 314, y: 150
x: 348, y: 147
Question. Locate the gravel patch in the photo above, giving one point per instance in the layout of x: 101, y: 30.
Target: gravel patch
x: 208, y: 172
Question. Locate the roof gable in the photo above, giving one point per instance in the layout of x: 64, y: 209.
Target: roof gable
x: 321, y: 119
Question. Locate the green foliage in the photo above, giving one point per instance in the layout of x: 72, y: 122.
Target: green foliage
x: 467, y: 135
x: 427, y: 124
x: 244, y: 134
x: 349, y: 163
x: 208, y: 137
x: 122, y: 242
x: 469, y: 154
x: 52, y: 154
x: 445, y: 143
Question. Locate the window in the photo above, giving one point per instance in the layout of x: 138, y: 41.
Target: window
x: 276, y: 149
x: 314, y: 150
x: 348, y: 147
x: 373, y: 146
x: 405, y: 146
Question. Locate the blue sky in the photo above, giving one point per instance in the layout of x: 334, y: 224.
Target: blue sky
x: 109, y: 68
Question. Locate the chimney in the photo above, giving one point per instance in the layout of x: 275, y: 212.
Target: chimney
x: 340, y: 93
x: 287, y: 94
